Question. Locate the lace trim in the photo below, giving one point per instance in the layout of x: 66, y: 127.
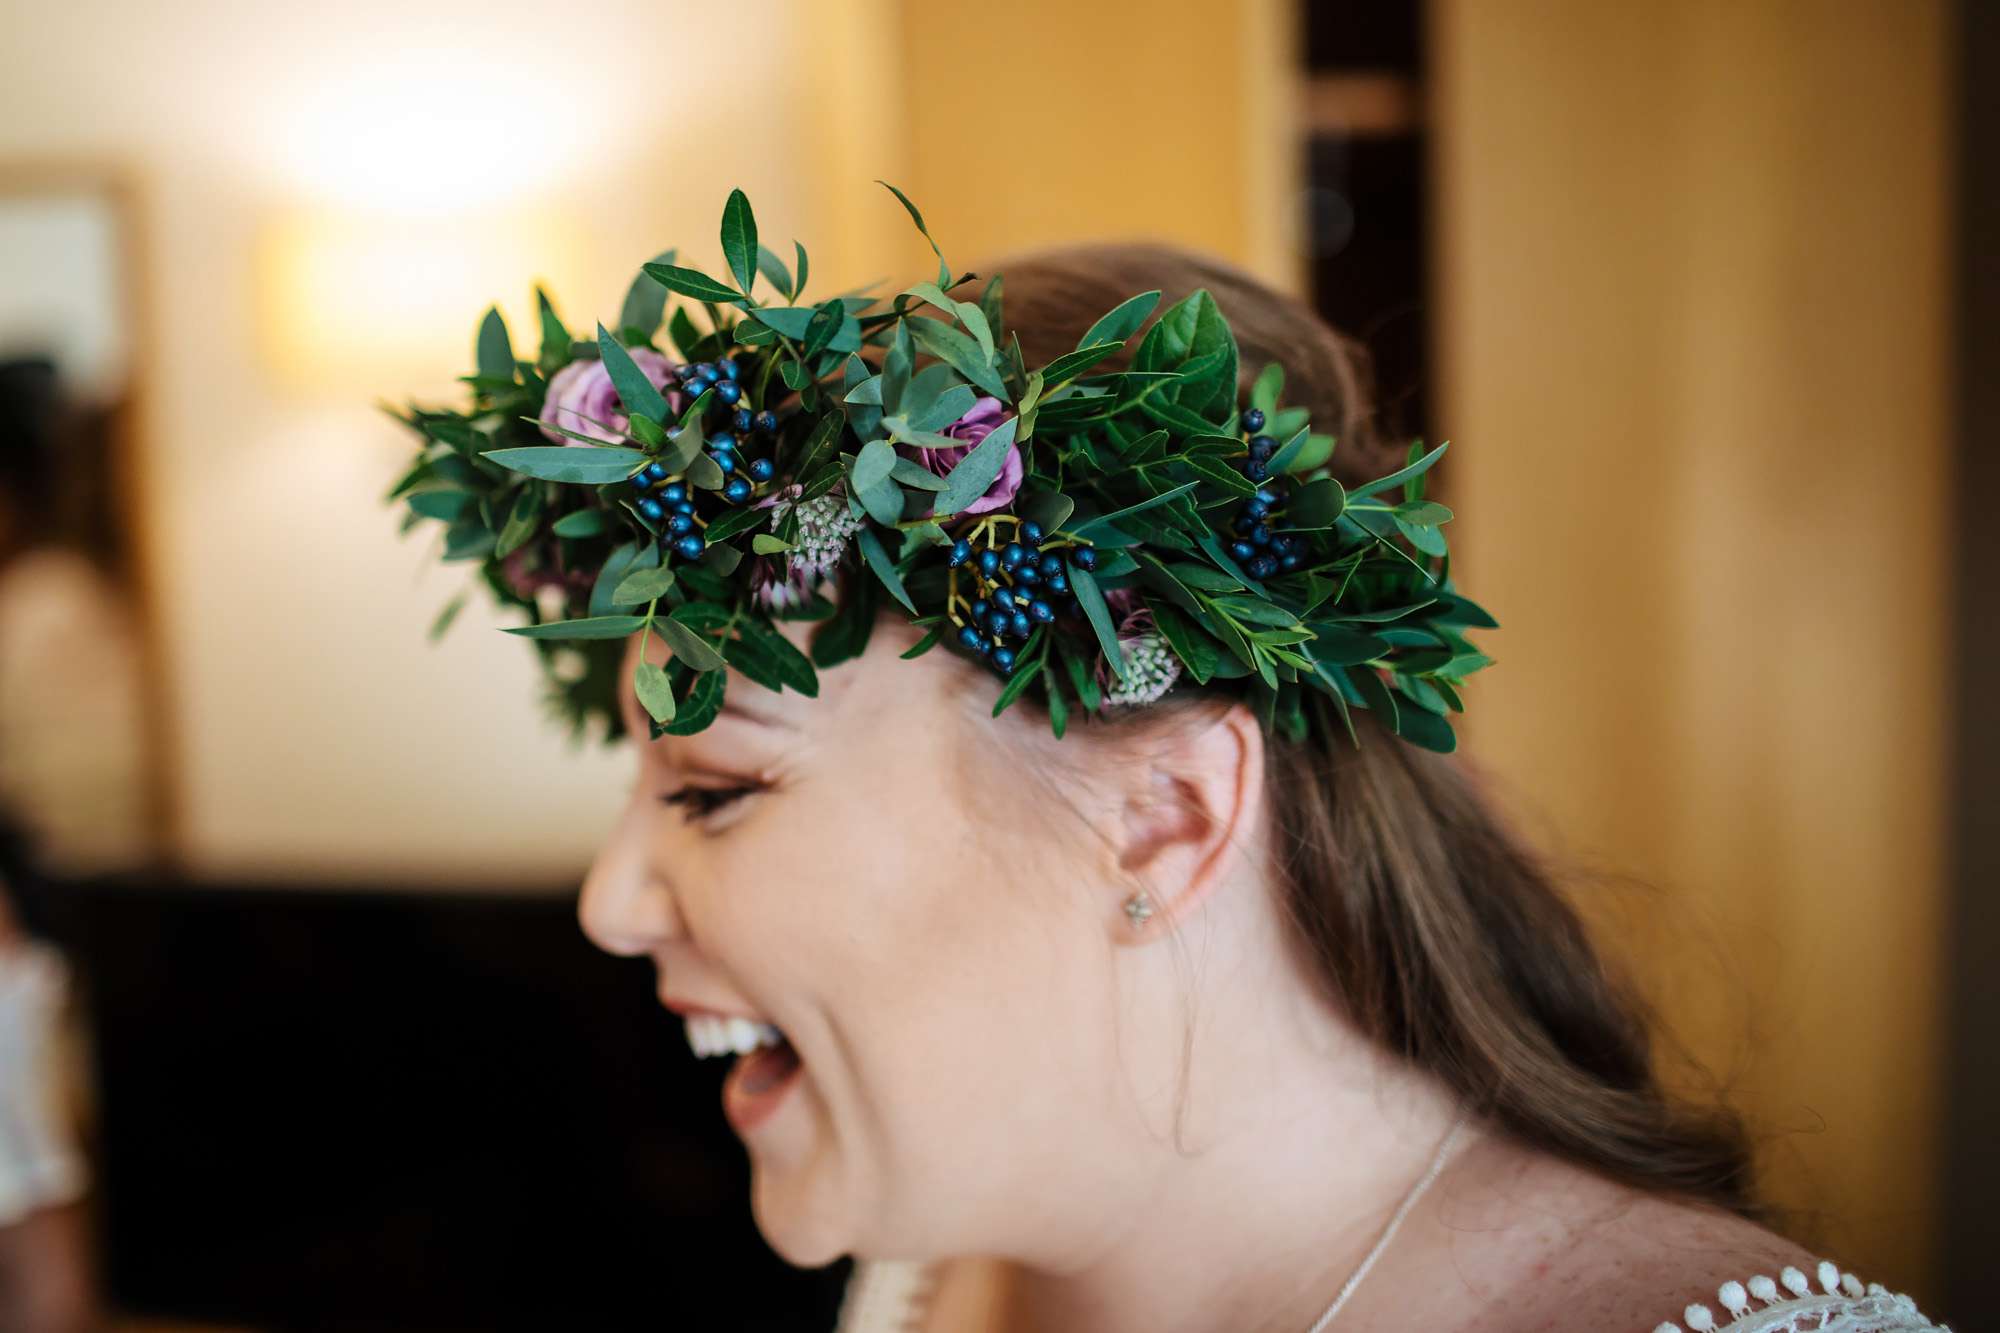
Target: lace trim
x: 884, y: 1296
x: 1842, y: 1305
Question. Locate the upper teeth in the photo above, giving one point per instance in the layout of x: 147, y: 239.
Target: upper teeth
x: 712, y: 1034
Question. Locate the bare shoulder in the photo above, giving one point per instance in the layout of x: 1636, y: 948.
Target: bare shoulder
x: 1540, y: 1244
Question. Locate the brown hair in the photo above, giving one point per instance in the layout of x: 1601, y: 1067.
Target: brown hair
x: 1425, y: 918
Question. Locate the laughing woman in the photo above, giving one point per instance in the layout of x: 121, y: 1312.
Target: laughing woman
x: 1044, y: 791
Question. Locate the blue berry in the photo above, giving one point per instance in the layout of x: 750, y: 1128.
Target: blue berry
x: 706, y: 369
x: 1253, y: 420
x: 1270, y: 495
x: 687, y: 372
x: 690, y: 546
x: 701, y: 384
x: 1262, y: 446
x: 1003, y: 658
x: 1260, y: 536
x: 1029, y: 572
x: 728, y: 391
x: 1256, y: 470
x: 1041, y: 610
x: 675, y: 492
x: 729, y: 369
x: 972, y: 638
x: 1057, y: 582
x: 724, y: 460
x: 680, y: 523
x: 981, y: 613
x: 1242, y: 550
x: 640, y: 481
x: 652, y: 510
x: 1255, y: 507
x: 1289, y: 560
x: 722, y: 440
x: 738, y: 490
x: 961, y: 551
x: 657, y: 471
x: 1031, y: 533
x: 762, y: 468
x: 1012, y: 554
x: 989, y: 562
x: 766, y: 421
x: 1002, y: 599
x: 1051, y: 563
x: 1085, y: 557
x: 1023, y: 626
x: 742, y: 421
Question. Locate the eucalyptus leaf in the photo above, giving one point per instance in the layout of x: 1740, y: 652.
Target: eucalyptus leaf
x: 885, y: 569
x: 739, y: 239
x: 691, y: 282
x: 690, y: 648
x: 973, y: 474
x: 655, y: 691
x: 1084, y: 585
x: 593, y: 466
x: 1121, y: 322
x: 635, y: 391
x: 496, y: 351
x: 643, y: 585
x: 959, y: 352
x: 592, y: 627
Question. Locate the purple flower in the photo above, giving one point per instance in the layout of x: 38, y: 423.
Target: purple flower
x: 974, y: 426
x: 582, y: 398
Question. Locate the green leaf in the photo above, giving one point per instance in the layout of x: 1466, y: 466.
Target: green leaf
x: 959, y: 352
x: 1400, y: 475
x: 769, y: 543
x: 555, y: 337
x: 592, y: 627
x: 974, y: 473
x: 911, y: 473
x: 1339, y: 646
x: 655, y: 690
x: 1220, y: 474
x: 1071, y: 364
x: 885, y: 569
x: 591, y: 466
x: 1084, y: 585
x: 1426, y: 729
x: 703, y: 702
x: 796, y: 321
x: 944, y: 269
x: 1203, y: 577
x: 734, y: 521
x: 1034, y: 653
x: 800, y: 290
x: 1122, y: 322
x: 739, y: 239
x: 1090, y: 525
x: 496, y: 352
x: 643, y: 585
x: 1317, y: 504
x: 872, y: 485
x: 1200, y: 653
x: 773, y: 269
x: 896, y: 366
x: 1255, y: 611
x: 440, y: 504
x: 645, y: 299
x: 1423, y: 513
x: 692, y: 282
x: 685, y: 335
x: 690, y: 648
x: 520, y: 524
x: 1051, y: 509
x: 1264, y: 393
x: 946, y: 408
x: 445, y: 617
x: 703, y: 471
x: 1314, y: 453
x: 1288, y: 453
x: 824, y: 325
x: 635, y: 391
x: 791, y: 666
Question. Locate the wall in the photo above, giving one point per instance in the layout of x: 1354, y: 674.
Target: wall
x: 1692, y: 274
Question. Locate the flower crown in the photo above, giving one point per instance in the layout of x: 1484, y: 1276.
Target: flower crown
x: 1096, y: 537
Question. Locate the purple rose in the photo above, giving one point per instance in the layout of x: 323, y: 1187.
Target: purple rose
x: 582, y: 398
x: 974, y: 426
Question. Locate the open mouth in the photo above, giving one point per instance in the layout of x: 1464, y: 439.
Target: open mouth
x: 765, y: 1070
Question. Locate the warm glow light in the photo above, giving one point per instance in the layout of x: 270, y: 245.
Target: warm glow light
x: 356, y: 302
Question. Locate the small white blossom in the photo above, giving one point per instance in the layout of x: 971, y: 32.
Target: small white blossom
x: 1150, y: 671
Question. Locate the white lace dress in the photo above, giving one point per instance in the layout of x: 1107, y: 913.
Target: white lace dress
x: 885, y: 1296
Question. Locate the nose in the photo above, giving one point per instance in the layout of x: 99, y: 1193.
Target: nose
x: 625, y: 908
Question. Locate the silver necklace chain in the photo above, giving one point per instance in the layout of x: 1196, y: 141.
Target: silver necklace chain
x: 1416, y: 1192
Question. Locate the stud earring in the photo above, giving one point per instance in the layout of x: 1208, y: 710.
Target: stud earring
x: 1139, y: 907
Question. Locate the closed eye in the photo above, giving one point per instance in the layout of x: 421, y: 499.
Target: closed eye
x: 704, y: 801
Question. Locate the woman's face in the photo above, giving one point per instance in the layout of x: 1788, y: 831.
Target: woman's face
x: 871, y: 872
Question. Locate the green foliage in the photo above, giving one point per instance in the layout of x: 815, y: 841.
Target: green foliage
x: 1146, y: 464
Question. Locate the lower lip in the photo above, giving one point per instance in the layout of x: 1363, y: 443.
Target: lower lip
x: 746, y: 1109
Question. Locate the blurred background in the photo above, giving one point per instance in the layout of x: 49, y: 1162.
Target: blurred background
x: 1705, y: 291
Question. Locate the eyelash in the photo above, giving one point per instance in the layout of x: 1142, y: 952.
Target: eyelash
x: 705, y: 801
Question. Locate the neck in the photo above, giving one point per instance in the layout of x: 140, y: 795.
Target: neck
x: 1302, y: 1141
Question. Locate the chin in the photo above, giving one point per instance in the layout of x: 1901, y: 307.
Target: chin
x: 803, y: 1231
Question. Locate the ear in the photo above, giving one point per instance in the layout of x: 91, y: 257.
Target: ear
x: 1197, y: 800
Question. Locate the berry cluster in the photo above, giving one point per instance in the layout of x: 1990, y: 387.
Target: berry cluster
x: 1018, y: 586
x: 1256, y: 545
x: 673, y: 503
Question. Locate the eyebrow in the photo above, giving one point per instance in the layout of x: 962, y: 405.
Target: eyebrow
x: 730, y: 707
